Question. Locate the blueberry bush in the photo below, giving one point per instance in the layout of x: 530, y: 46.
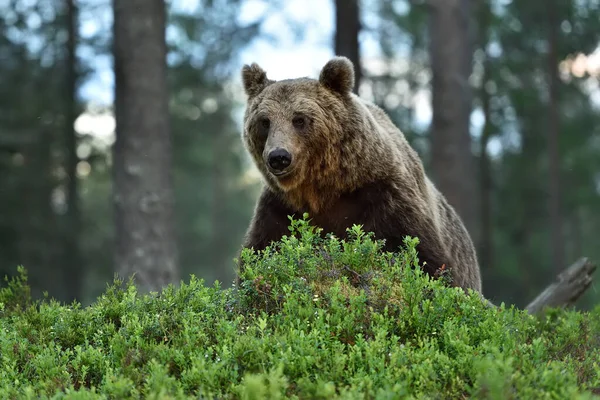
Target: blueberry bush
x: 313, y: 317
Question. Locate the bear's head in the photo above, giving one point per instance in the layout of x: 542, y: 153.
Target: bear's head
x: 302, y: 133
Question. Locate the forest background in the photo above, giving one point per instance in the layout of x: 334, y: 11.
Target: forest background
x: 143, y: 169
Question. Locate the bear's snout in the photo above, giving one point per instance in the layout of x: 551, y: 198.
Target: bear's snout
x: 279, y: 159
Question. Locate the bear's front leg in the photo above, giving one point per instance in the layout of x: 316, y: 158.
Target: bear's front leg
x: 396, y: 224
x: 433, y: 258
x: 269, y: 223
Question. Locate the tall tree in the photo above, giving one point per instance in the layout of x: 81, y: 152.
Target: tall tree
x: 347, y: 30
x: 556, y: 240
x: 451, y: 58
x: 143, y: 192
x: 486, y: 245
x: 73, y: 260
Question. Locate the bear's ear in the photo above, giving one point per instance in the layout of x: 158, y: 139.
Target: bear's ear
x: 254, y: 79
x: 338, y: 75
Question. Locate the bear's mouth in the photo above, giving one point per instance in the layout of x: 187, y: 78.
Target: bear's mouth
x: 280, y: 174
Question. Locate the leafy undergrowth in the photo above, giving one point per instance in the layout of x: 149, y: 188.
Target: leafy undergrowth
x: 313, y: 318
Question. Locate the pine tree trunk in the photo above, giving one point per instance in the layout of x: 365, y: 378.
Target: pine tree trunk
x: 347, y: 29
x: 143, y: 193
x: 38, y: 245
x: 451, y: 57
x: 486, y: 246
x: 556, y: 241
x: 218, y: 218
x: 73, y: 267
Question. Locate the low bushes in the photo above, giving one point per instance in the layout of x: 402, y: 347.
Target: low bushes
x: 313, y: 318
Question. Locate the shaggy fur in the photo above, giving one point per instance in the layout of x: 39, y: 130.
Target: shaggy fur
x: 350, y: 165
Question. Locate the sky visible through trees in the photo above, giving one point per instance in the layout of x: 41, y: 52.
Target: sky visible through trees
x: 287, y: 58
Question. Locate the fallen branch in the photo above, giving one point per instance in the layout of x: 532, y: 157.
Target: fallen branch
x: 567, y: 289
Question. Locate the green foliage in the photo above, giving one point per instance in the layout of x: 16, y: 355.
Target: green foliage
x: 314, y: 317
x: 17, y: 294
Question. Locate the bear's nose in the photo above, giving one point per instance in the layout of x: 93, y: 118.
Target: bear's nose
x: 279, y: 159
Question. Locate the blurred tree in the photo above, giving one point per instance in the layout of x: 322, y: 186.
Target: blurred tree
x: 484, y: 96
x: 522, y: 170
x: 143, y: 195
x: 73, y: 263
x: 203, y: 48
x: 347, y: 32
x: 554, y: 128
x: 451, y: 58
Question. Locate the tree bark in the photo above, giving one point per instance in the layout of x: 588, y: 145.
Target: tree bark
x: 556, y: 225
x: 218, y: 220
x: 73, y: 267
x: 39, y: 248
x: 347, y: 30
x: 486, y: 247
x: 451, y: 57
x: 567, y: 289
x: 143, y: 192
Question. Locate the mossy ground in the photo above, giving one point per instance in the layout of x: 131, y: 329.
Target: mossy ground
x: 313, y: 318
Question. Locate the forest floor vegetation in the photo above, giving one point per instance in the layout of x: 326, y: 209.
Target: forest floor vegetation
x: 313, y: 318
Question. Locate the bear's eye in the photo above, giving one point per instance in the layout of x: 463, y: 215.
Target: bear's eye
x: 299, y: 122
x: 265, y: 123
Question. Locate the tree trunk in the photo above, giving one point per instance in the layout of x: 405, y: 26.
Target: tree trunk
x: 347, y: 29
x: 218, y: 218
x: 451, y: 57
x: 73, y: 267
x: 577, y: 236
x: 556, y: 241
x: 38, y: 245
x: 568, y: 287
x: 143, y: 193
x: 486, y: 246
x: 525, y: 176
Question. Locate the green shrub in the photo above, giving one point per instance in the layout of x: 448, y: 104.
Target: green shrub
x: 313, y: 318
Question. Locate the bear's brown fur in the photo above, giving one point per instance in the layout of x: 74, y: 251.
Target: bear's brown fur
x: 348, y: 164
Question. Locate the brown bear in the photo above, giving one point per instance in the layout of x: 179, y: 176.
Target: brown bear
x: 325, y: 151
